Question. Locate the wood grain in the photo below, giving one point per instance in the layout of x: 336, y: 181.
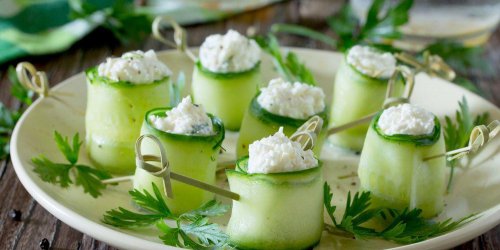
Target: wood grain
x: 37, y: 223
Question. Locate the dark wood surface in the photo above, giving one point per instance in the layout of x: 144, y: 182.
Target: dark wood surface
x: 36, y: 223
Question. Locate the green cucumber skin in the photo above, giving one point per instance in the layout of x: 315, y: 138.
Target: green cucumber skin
x: 113, y: 121
x: 276, y: 212
x: 253, y: 129
x: 354, y: 96
x: 195, y: 159
x: 227, y: 98
x: 396, y: 175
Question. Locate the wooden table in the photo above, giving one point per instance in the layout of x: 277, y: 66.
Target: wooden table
x: 36, y: 223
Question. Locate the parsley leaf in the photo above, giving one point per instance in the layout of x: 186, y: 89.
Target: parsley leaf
x: 71, y: 153
x: 9, y: 118
x: 381, y: 24
x: 17, y: 90
x: 289, y: 67
x: 192, y: 229
x: 60, y: 174
x: 207, y: 233
x: 457, y: 134
x: 406, y: 226
x: 120, y: 17
x: 375, y: 29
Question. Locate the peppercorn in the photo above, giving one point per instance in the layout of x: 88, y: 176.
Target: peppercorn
x: 44, y: 244
x: 15, y: 214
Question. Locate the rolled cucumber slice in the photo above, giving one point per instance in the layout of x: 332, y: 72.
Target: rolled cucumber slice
x: 259, y: 123
x: 113, y: 119
x: 226, y: 95
x: 276, y: 211
x: 393, y: 170
x: 194, y: 156
x: 356, y: 95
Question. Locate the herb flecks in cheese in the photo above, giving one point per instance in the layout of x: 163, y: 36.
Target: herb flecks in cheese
x: 294, y: 100
x: 371, y: 62
x: 406, y: 119
x: 277, y: 153
x: 227, y: 53
x: 136, y: 67
x: 186, y: 118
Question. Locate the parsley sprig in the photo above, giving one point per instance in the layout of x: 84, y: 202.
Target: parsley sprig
x: 121, y: 17
x: 457, y: 133
x: 193, y: 224
x: 65, y: 174
x: 288, y: 67
x: 9, y: 117
x: 381, y: 24
x: 403, y: 226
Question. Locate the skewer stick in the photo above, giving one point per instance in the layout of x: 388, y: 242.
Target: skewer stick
x: 306, y: 135
x: 36, y: 81
x: 164, y: 172
x: 433, y: 65
x: 479, y: 137
x: 390, y: 100
x: 180, y: 35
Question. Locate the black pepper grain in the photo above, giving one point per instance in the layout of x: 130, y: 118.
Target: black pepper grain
x: 44, y: 244
x: 15, y: 214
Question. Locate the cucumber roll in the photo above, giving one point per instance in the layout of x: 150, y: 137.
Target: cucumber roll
x: 227, y: 76
x: 119, y: 92
x: 281, y: 197
x: 392, y: 166
x: 281, y: 104
x: 359, y: 90
x: 192, y: 140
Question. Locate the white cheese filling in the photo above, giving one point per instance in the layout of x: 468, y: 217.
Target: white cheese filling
x: 371, y: 62
x: 136, y: 67
x: 406, y: 119
x: 231, y: 52
x: 186, y: 118
x: 294, y: 100
x: 277, y: 153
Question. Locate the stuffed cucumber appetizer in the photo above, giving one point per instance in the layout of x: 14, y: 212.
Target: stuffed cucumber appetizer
x: 227, y: 76
x: 281, y: 104
x: 392, y: 166
x: 119, y: 92
x: 281, y: 202
x: 359, y: 90
x: 192, y: 140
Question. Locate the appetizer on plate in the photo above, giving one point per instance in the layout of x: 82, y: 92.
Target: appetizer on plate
x: 281, y: 104
x: 392, y: 165
x: 192, y: 139
x: 119, y: 92
x: 227, y: 76
x: 359, y: 90
x: 281, y: 196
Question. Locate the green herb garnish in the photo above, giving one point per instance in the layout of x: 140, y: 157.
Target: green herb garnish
x: 194, y: 224
x: 456, y: 135
x: 406, y: 226
x: 64, y: 174
x: 176, y: 89
x: 289, y: 67
x: 380, y: 25
x: 9, y: 117
x: 120, y: 17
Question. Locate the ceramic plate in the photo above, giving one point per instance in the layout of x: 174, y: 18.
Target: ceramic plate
x: 475, y: 188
